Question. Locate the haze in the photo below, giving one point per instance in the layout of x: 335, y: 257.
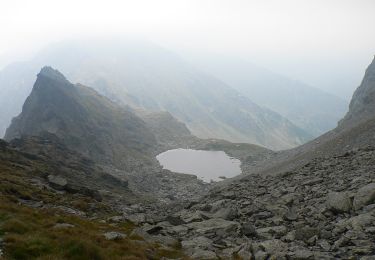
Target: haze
x: 325, y: 44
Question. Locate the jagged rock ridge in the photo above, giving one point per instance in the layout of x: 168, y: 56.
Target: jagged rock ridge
x: 84, y: 120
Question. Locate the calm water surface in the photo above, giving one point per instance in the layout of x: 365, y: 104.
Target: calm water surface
x: 207, y: 165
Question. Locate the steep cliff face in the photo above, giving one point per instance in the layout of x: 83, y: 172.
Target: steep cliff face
x: 84, y: 120
x: 362, y: 105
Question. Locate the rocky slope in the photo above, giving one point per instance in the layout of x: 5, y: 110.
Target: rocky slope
x: 146, y: 76
x: 111, y: 136
x: 44, y: 216
x: 308, y: 213
x: 314, y: 202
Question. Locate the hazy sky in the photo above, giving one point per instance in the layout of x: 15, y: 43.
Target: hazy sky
x: 321, y: 42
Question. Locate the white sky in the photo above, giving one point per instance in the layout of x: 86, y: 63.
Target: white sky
x: 294, y: 37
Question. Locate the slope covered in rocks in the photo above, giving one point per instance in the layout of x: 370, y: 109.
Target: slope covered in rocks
x: 45, y: 216
x: 313, y: 202
x: 308, y: 213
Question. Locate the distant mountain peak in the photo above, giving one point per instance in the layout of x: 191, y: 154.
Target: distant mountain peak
x: 85, y: 121
x: 51, y: 73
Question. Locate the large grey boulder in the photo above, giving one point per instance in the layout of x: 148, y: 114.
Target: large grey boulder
x: 228, y: 213
x: 57, y: 182
x: 199, y: 248
x: 245, y: 252
x: 197, y: 242
x: 339, y: 202
x: 248, y: 229
x: 114, y: 235
x: 204, y: 255
x: 270, y: 232
x: 300, y: 254
x: 364, y: 196
x: 273, y: 246
x: 360, y: 222
x: 215, y: 227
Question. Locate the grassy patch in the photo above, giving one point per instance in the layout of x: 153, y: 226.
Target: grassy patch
x: 31, y: 233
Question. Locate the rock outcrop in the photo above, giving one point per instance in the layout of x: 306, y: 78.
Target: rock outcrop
x: 362, y: 105
x: 84, y: 121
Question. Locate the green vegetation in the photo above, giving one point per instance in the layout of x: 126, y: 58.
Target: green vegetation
x: 49, y: 233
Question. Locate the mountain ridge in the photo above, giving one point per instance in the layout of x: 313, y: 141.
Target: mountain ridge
x: 309, y: 108
x: 162, y: 80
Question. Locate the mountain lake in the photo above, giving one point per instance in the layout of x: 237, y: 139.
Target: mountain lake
x: 207, y: 165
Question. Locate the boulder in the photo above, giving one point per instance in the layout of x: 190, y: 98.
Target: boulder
x: 214, y: 225
x: 198, y: 247
x: 166, y: 240
x: 175, y: 221
x: 270, y: 232
x: 114, y: 235
x: 137, y: 218
x: 360, y: 222
x: 63, y: 225
x: 57, y: 182
x: 194, y: 216
x: 260, y: 255
x: 364, y: 196
x: 204, y: 255
x: 273, y: 246
x: 248, y: 229
x: 300, y: 254
x: 338, y: 202
x: 305, y: 233
x: 245, y: 252
x: 228, y: 213
x: 198, y: 242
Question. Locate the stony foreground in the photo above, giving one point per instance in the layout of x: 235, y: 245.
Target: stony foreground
x: 323, y: 210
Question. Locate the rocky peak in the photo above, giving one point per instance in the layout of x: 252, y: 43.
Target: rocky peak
x: 51, y: 73
x: 83, y: 120
x: 362, y: 105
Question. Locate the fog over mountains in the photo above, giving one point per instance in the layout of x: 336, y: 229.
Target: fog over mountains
x: 215, y: 98
x: 143, y: 75
x: 309, y: 108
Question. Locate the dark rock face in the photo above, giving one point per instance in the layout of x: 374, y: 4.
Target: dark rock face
x: 362, y: 105
x: 84, y: 121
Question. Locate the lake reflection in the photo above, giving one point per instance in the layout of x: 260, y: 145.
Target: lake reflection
x: 207, y: 165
